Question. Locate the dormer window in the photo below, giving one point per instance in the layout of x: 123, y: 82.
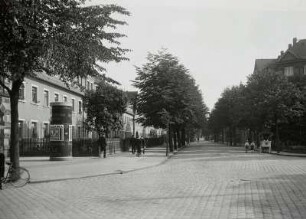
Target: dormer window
x: 288, y: 71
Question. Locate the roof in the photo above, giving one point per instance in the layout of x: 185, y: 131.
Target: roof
x: 299, y: 49
x: 261, y: 64
x: 53, y: 80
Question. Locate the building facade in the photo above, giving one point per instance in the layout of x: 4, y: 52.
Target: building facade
x: 34, y: 108
x: 291, y: 62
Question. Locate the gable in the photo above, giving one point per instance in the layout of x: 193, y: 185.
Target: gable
x: 288, y: 56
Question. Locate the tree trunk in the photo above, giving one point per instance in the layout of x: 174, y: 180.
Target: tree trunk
x: 234, y: 136
x: 170, y: 139
x: 175, y: 139
x: 179, y: 139
x: 277, y: 144
x: 14, y: 142
x: 230, y: 136
x: 183, y: 137
x: 133, y: 124
x: 223, y: 136
x: 169, y: 136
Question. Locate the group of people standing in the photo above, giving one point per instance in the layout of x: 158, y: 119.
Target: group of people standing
x: 138, y: 145
x: 249, y: 146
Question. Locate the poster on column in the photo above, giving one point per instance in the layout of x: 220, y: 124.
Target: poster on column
x: 56, y: 132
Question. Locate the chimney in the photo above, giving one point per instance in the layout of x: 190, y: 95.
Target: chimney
x: 294, y: 40
x: 289, y: 46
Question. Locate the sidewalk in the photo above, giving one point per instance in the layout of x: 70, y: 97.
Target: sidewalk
x: 43, y: 170
x: 282, y: 153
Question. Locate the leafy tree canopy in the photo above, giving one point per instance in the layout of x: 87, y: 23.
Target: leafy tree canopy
x: 59, y: 37
x: 267, y: 100
x: 167, y: 91
x: 104, y: 107
x: 63, y: 38
x: 271, y: 94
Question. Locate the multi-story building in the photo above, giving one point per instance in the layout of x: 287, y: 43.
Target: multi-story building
x: 34, y: 108
x: 291, y: 62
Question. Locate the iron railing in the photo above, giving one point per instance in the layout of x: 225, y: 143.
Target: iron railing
x: 80, y: 147
x: 34, y: 147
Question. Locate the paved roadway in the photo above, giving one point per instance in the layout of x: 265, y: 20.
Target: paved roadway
x: 202, y: 181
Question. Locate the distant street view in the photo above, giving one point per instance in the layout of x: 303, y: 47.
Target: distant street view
x: 162, y: 109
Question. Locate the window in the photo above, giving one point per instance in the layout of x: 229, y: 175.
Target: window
x: 88, y: 85
x: 46, y: 130
x: 34, y: 130
x: 56, y: 97
x: 65, y: 98
x: 34, y: 94
x: 73, y: 105
x: 91, y: 86
x: 21, y: 92
x: 46, y: 98
x: 288, y: 71
x: 80, y: 107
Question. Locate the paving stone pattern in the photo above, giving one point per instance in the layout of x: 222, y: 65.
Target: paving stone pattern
x: 204, y: 180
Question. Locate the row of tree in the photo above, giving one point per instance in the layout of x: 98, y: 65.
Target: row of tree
x: 70, y: 40
x: 169, y: 98
x: 268, y: 105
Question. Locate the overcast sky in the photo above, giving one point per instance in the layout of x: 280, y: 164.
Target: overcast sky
x: 217, y: 40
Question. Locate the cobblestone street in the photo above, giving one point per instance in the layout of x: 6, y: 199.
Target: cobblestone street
x: 204, y: 180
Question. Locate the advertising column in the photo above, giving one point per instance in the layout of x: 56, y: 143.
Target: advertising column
x: 61, y: 132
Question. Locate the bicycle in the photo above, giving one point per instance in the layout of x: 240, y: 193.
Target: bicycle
x: 17, y: 177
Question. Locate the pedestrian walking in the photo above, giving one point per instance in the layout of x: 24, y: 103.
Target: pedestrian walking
x: 132, y: 143
x: 102, y: 145
x: 253, y: 145
x: 138, y: 146
x: 246, y: 145
x: 143, y: 140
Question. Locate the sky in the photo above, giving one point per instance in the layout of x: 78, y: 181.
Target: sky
x: 217, y: 40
